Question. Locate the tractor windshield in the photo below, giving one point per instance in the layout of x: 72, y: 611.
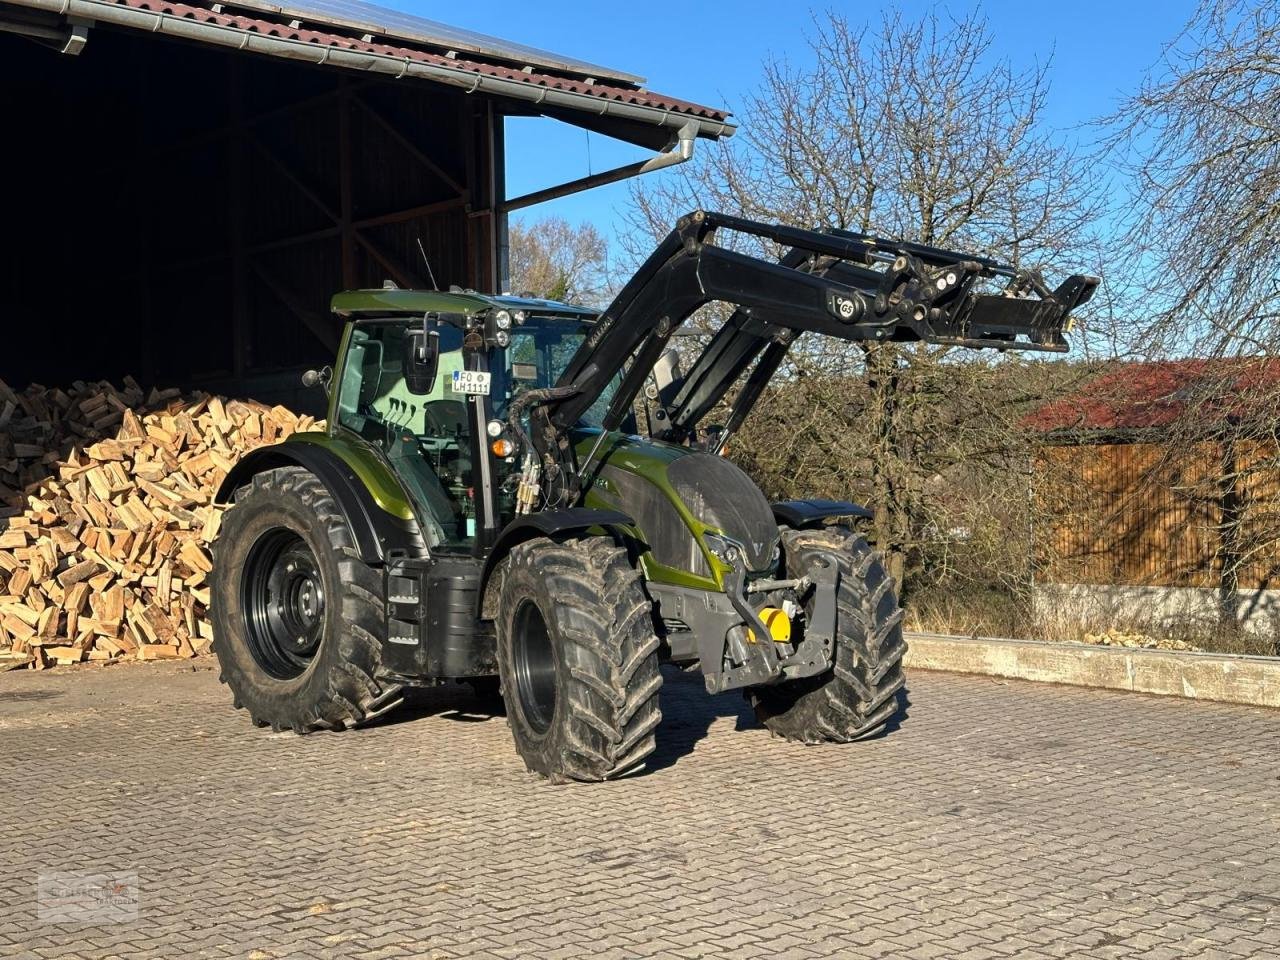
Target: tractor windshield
x: 540, y: 350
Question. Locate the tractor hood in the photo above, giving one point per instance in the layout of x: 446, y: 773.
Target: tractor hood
x: 675, y: 496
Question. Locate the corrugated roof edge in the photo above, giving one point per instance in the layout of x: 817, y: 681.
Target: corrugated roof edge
x: 384, y: 21
x: 210, y: 25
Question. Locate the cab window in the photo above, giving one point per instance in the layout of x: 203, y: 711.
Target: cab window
x: 425, y: 437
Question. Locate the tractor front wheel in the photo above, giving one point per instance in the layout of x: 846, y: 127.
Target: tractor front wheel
x: 862, y: 691
x: 578, y: 659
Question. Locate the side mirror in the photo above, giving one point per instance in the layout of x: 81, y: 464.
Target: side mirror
x: 318, y: 378
x: 421, y: 359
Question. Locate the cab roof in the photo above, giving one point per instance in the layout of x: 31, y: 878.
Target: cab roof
x: 389, y: 302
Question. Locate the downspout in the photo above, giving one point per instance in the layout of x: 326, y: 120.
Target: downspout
x: 680, y: 150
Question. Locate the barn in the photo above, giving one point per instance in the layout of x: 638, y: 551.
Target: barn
x: 189, y: 183
x: 1157, y: 487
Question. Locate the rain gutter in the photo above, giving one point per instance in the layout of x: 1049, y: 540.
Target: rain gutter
x: 154, y: 21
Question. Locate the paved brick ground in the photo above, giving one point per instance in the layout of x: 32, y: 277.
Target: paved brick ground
x: 1000, y: 820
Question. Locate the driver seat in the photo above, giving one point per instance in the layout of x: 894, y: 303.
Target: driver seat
x: 446, y: 418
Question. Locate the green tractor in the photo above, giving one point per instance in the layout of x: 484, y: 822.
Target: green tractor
x: 481, y: 505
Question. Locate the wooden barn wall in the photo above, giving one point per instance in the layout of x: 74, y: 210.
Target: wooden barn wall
x: 324, y: 182
x: 1256, y: 498
x: 1140, y: 514
x: 184, y: 213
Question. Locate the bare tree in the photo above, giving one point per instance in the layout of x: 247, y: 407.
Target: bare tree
x: 1201, y: 143
x: 556, y: 260
x: 909, y: 129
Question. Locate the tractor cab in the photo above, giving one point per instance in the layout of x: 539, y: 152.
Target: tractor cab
x: 425, y: 381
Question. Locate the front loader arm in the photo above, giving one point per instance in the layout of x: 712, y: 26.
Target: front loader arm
x: 849, y: 286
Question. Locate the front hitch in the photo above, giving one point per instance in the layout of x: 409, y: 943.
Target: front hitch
x: 765, y: 661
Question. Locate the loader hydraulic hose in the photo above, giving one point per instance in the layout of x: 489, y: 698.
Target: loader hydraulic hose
x: 531, y: 398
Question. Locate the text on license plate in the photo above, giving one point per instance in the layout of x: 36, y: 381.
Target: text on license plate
x: 471, y: 381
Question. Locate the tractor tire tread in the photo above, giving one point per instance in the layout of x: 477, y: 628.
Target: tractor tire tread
x: 603, y: 619
x: 350, y: 692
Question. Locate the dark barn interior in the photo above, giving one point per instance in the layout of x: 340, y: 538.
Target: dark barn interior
x: 186, y: 212
x: 182, y: 211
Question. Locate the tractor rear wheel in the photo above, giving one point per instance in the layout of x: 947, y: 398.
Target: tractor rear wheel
x: 578, y: 659
x: 861, y: 693
x: 297, y: 615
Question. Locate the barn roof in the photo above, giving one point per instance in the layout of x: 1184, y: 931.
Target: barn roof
x: 385, y: 22
x: 365, y: 37
x: 1150, y: 395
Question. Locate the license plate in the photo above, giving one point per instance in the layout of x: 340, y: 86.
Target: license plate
x: 471, y: 381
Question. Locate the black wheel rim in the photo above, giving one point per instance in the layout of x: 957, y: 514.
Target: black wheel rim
x: 282, y: 594
x: 533, y: 657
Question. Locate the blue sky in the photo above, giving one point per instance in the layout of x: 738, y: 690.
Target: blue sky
x: 710, y: 51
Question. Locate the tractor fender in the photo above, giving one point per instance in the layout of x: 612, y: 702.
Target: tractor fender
x: 377, y: 533
x: 547, y: 523
x: 799, y: 514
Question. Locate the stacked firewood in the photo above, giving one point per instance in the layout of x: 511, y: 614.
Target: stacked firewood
x: 106, y: 516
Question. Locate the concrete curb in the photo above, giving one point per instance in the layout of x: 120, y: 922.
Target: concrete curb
x: 1196, y: 676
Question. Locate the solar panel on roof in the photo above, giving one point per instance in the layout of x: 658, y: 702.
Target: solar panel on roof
x: 371, y: 18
